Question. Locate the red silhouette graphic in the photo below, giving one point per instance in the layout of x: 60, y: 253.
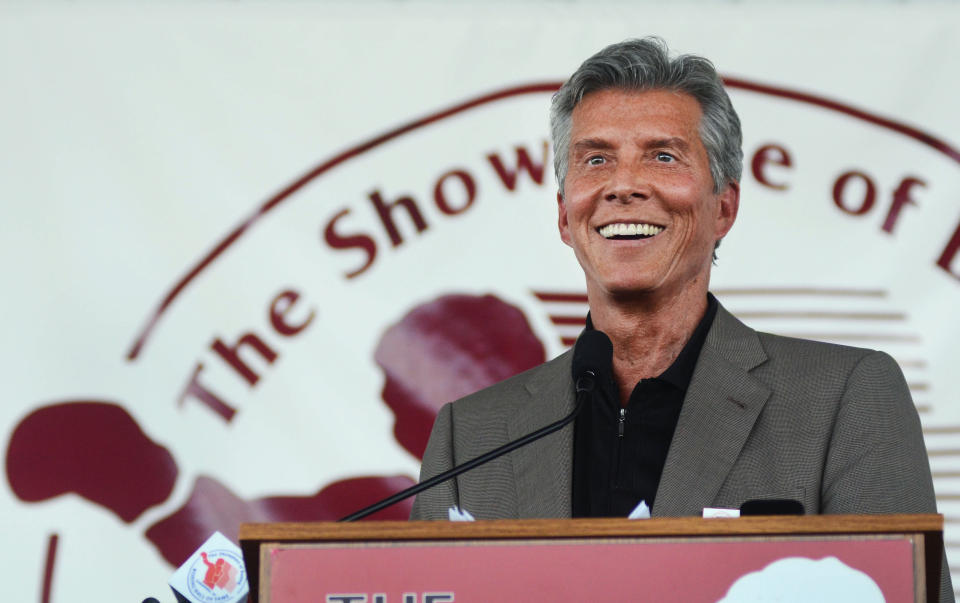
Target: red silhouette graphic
x: 220, y: 574
x: 446, y: 349
x: 212, y: 507
x: 440, y: 351
x: 94, y: 449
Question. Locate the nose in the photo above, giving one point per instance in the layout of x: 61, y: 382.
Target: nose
x: 627, y: 184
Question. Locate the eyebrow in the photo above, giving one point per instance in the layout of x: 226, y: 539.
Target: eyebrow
x: 593, y: 144
x: 673, y: 142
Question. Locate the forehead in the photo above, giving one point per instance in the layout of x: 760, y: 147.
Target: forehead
x: 648, y: 112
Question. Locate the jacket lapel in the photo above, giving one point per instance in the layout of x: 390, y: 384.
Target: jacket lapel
x: 543, y: 470
x: 719, y: 410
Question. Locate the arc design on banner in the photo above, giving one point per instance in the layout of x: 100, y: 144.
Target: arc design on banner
x: 760, y: 159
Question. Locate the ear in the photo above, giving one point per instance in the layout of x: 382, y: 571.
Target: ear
x: 728, y: 203
x: 562, y: 219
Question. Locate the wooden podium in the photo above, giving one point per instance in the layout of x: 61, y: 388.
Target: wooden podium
x: 685, y: 559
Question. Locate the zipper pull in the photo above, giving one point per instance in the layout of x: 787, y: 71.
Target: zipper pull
x: 623, y: 419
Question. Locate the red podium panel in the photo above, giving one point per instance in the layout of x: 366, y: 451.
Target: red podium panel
x: 873, y: 558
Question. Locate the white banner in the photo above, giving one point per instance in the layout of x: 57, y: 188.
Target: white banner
x: 249, y: 250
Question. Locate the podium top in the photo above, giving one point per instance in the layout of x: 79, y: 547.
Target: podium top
x: 591, y: 528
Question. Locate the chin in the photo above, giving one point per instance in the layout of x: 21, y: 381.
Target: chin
x: 628, y: 289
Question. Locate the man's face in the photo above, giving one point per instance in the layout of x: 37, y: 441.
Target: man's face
x: 637, y: 168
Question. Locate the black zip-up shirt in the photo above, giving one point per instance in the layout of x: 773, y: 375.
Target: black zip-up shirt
x: 619, y: 453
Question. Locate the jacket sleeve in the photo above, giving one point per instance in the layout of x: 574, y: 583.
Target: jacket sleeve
x: 438, y: 457
x: 877, y: 461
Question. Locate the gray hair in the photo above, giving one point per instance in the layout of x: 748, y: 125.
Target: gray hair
x: 645, y: 64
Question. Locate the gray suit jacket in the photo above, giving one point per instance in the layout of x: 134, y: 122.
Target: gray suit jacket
x: 765, y: 416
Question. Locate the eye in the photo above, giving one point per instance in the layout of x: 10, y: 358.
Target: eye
x: 596, y: 160
x: 665, y: 157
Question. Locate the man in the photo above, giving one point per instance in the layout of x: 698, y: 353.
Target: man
x: 696, y: 409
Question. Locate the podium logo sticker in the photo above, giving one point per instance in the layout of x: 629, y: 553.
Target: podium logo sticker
x: 215, y: 575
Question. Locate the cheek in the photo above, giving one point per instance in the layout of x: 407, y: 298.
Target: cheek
x: 575, y: 209
x: 581, y: 183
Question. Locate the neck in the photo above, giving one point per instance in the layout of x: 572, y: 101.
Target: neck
x: 647, y: 333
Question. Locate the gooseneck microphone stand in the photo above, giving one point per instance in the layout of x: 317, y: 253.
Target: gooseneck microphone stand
x: 585, y: 385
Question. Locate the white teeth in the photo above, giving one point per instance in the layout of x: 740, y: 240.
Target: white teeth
x: 624, y: 229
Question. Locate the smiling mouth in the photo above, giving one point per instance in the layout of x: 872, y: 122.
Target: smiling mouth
x: 629, y: 231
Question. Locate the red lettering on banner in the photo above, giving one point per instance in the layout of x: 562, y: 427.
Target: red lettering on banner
x: 449, y: 201
x: 869, y: 194
x: 361, y: 241
x: 767, y: 154
x: 197, y: 390
x: 524, y: 162
x: 280, y: 307
x: 278, y: 314
x: 440, y: 197
x: 950, y: 253
x: 385, y: 211
x: 901, y: 197
x: 231, y: 354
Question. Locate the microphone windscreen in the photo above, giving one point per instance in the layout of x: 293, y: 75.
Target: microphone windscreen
x: 591, y: 353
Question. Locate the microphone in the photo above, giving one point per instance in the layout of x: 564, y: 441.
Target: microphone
x: 590, y: 346
x: 591, y: 352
